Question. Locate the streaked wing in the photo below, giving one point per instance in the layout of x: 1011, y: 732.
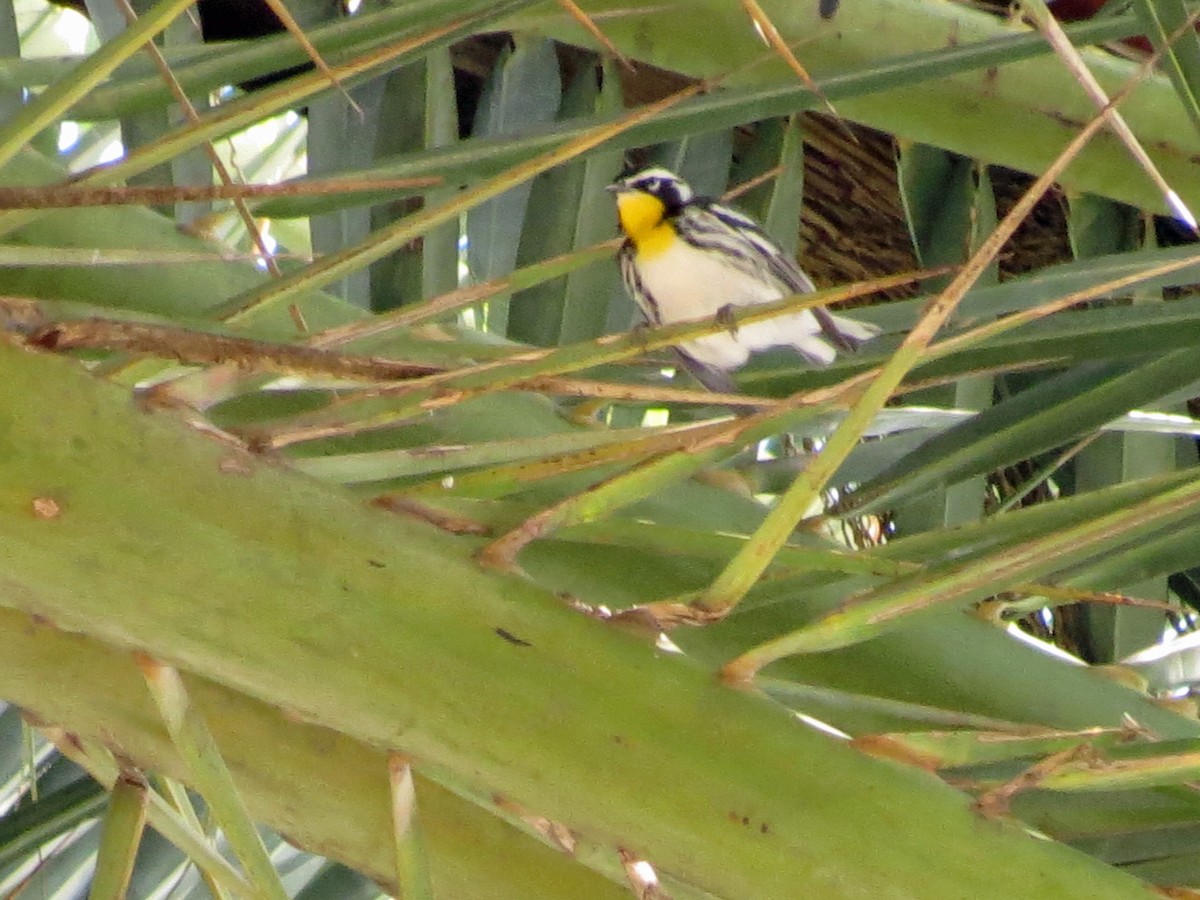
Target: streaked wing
x: 712, y: 225
x: 748, y: 247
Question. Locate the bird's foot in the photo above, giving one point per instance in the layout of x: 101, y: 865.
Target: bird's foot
x: 725, y: 317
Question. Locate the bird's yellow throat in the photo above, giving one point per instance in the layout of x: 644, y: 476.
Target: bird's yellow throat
x: 642, y: 221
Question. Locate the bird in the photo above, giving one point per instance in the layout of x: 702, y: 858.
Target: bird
x: 685, y: 257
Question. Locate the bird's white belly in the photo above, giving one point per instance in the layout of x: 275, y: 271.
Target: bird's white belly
x: 687, y: 283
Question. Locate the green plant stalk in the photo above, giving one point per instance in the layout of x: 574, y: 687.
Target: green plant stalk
x: 50, y: 105
x: 119, y: 841
x: 1039, y: 12
x: 1098, y: 226
x: 669, y: 541
x: 581, y: 316
x: 973, y: 541
x: 610, y: 494
x: 1037, y: 99
x: 798, y: 564
x: 207, y: 770
x: 339, y: 335
x: 526, y: 364
x: 501, y: 480
x: 238, y: 114
x: 1077, y: 338
x: 751, y: 561
x: 784, y: 96
x: 135, y: 87
x: 739, y: 576
x: 859, y: 713
x: 326, y: 791
x: 386, y: 240
x: 795, y: 563
x: 83, y: 256
x: 372, y: 333
x: 518, y: 280
x: 176, y: 796
x: 945, y: 749
x: 1076, y: 404
x: 412, y: 868
x: 1124, y: 774
x: 644, y: 479
x: 47, y: 817
x: 1181, y: 59
x: 523, y: 452
x: 95, y: 759
x: 1043, y: 474
x: 385, y: 630
x: 207, y: 67
x: 950, y: 660
x: 880, y: 610
x: 936, y: 349
x: 181, y: 292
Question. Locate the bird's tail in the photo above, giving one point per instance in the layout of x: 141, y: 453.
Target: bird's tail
x: 711, y: 377
x: 846, y: 334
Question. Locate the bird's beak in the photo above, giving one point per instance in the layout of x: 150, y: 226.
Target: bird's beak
x: 617, y: 187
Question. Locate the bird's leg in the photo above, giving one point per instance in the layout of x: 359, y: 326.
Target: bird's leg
x: 640, y: 332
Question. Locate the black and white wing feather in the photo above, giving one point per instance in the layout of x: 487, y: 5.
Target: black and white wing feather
x: 709, y: 224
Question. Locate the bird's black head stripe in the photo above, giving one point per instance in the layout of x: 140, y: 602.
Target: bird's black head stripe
x: 673, y: 192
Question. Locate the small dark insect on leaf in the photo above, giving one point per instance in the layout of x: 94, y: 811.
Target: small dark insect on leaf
x: 512, y: 638
x: 827, y: 8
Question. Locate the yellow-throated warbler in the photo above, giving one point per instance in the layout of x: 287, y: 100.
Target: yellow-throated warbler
x: 686, y: 257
